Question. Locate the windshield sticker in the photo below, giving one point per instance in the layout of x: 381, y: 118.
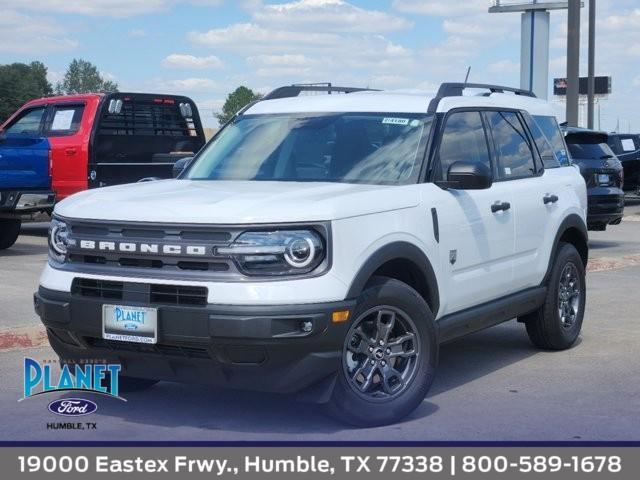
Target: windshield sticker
x: 395, y: 121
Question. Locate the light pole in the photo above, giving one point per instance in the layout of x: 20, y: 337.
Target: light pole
x: 573, y: 62
x: 591, y: 81
x: 534, y: 41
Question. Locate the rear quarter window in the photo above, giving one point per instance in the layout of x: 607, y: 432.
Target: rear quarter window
x: 549, y: 128
x: 64, y: 120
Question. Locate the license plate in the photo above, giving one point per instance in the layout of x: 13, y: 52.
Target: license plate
x: 603, y: 179
x: 130, y: 324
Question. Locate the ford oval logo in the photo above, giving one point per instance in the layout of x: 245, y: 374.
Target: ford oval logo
x: 72, y: 407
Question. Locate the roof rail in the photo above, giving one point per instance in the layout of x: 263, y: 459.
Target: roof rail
x: 456, y: 89
x: 295, y: 90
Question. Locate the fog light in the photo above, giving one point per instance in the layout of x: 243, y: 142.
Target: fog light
x: 340, y: 316
x: 307, y: 326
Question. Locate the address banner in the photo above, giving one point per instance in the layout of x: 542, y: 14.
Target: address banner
x: 320, y: 462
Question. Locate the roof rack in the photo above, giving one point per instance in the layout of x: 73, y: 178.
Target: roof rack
x: 295, y: 90
x: 457, y: 89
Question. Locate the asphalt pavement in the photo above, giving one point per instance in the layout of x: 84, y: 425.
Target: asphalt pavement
x: 492, y: 385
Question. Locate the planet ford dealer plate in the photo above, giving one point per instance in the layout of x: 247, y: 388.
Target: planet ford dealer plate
x: 130, y: 324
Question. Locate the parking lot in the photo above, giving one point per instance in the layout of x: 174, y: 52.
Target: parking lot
x: 492, y: 385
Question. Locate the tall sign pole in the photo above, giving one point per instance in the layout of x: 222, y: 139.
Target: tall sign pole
x: 534, y: 41
x: 573, y: 62
x: 591, y: 82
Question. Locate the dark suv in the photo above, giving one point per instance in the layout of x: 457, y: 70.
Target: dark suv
x: 603, y: 174
x: 627, y: 147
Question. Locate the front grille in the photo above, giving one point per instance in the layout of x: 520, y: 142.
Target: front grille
x: 139, y: 262
x: 179, y: 295
x: 97, y: 289
x: 158, y: 349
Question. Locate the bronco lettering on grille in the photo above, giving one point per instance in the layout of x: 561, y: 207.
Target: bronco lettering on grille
x: 151, y: 248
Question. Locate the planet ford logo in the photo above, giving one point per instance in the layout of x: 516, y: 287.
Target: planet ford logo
x: 72, y: 407
x: 150, y: 248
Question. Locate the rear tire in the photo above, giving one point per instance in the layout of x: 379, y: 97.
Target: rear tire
x: 556, y: 325
x: 9, y: 232
x: 389, y: 356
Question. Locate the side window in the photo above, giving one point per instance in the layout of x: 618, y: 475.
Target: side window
x: 628, y: 145
x: 28, y: 123
x: 65, y: 120
x: 515, y: 157
x: 463, y: 139
x: 548, y: 156
x: 551, y: 131
x: 614, y: 144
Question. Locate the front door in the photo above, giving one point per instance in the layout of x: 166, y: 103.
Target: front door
x: 24, y: 153
x: 476, y: 226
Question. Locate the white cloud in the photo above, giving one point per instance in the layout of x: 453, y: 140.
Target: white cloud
x: 178, y: 60
x: 328, y: 15
x: 27, y: 34
x: 102, y: 8
x: 186, y: 86
x: 442, y: 8
x: 252, y: 37
x: 504, y: 66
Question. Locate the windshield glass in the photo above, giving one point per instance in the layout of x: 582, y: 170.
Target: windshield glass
x: 378, y: 148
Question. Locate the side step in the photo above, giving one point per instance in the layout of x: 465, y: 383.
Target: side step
x: 491, y: 313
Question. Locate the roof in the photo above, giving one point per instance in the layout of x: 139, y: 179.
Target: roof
x: 65, y: 98
x: 396, y: 102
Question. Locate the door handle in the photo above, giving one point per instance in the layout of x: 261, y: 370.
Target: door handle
x: 70, y: 151
x: 549, y: 199
x: 504, y: 206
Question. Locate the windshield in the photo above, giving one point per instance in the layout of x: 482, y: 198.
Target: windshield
x: 378, y: 148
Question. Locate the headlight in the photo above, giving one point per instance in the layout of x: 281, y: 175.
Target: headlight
x: 58, y: 240
x: 282, y: 252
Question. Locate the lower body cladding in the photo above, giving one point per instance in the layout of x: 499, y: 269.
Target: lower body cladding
x: 284, y: 349
x: 605, y: 208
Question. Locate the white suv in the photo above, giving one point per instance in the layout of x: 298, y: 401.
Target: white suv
x: 327, y: 245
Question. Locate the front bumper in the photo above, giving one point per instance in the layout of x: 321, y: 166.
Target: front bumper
x: 23, y: 202
x: 605, y: 205
x: 262, y: 348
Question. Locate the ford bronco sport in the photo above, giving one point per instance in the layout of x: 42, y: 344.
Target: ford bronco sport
x: 327, y: 245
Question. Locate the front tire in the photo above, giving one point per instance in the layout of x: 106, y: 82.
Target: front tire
x: 557, y: 324
x: 9, y: 232
x: 389, y: 357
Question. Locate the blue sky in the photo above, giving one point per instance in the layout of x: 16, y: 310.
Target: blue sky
x: 206, y: 48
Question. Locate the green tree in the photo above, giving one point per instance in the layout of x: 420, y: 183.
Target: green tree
x: 83, y: 77
x: 237, y: 99
x: 20, y: 83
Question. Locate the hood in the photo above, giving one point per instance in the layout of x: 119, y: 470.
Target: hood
x: 234, y: 202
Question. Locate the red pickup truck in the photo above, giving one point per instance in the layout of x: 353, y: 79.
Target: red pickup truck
x: 108, y: 139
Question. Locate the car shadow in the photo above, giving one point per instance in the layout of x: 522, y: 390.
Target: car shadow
x: 601, y: 244
x: 176, y: 405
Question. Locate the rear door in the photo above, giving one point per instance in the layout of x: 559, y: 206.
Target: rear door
x: 24, y: 153
x: 479, y: 239
x: 536, y: 193
x: 69, y: 147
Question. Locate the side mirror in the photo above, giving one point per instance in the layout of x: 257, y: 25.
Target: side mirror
x: 469, y: 176
x: 180, y: 166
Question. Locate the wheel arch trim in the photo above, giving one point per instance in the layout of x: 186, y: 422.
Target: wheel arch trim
x: 574, y: 222
x: 399, y: 250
